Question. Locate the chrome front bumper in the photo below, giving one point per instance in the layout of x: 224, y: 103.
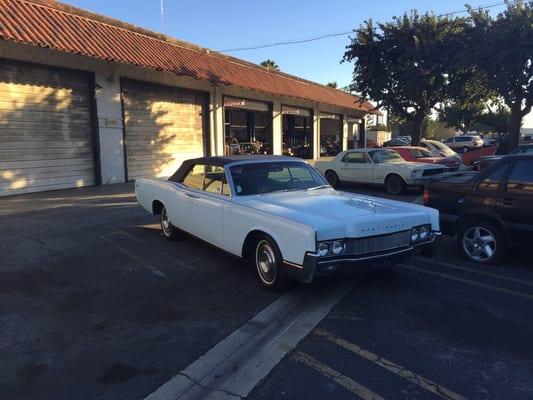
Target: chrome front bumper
x: 315, y: 266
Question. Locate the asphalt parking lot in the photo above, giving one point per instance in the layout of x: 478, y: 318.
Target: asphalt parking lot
x: 95, y: 304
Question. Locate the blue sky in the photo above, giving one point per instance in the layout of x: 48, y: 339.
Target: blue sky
x: 239, y: 23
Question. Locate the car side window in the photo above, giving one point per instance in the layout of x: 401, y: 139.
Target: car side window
x: 521, y: 178
x: 492, y: 181
x: 207, y: 178
x: 355, y: 158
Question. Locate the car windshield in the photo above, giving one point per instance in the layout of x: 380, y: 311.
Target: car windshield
x: 444, y: 150
x: 264, y: 177
x: 423, y: 153
x: 386, y: 156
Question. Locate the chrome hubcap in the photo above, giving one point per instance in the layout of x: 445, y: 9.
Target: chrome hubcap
x: 479, y: 243
x: 165, y: 223
x: 266, y: 262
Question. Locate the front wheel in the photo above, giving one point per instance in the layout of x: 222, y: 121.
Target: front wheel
x: 465, y: 149
x: 394, y: 184
x: 169, y: 230
x: 332, y: 178
x: 269, y: 265
x: 481, y: 242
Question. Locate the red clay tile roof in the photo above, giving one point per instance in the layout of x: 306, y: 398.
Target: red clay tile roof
x: 46, y: 23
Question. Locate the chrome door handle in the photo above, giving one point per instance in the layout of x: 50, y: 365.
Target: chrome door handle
x: 192, y: 195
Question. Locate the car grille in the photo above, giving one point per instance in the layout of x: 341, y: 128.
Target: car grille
x: 376, y: 244
x: 435, y: 171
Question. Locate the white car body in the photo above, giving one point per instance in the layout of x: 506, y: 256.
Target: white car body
x: 295, y: 220
x: 439, y: 149
x: 371, y: 172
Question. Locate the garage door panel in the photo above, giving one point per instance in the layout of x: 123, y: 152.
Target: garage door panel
x: 63, y: 163
x: 45, y: 129
x: 84, y: 172
x: 163, y: 127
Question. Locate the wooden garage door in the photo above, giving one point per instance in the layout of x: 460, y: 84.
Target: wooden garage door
x: 45, y: 129
x: 163, y: 127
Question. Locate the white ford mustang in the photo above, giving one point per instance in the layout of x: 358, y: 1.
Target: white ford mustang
x: 377, y: 166
x: 281, y: 215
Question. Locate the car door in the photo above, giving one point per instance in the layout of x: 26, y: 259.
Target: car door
x: 515, y: 204
x: 356, y: 167
x: 206, y: 187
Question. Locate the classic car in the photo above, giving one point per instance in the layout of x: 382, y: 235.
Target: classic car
x: 489, y: 211
x: 377, y: 166
x: 482, y: 162
x: 420, y: 154
x: 439, y: 149
x: 282, y: 216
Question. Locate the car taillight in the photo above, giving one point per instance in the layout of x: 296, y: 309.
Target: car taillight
x: 426, y: 196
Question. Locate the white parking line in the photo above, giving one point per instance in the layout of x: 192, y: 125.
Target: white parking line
x: 475, y: 271
x: 419, y: 380
x: 134, y: 257
x: 342, y: 380
x: 468, y: 281
x: 239, y: 362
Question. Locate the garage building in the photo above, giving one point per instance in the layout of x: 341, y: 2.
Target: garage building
x: 86, y: 99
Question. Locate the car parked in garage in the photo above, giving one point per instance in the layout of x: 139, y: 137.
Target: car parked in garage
x: 282, y: 215
x: 420, y: 154
x: 489, y: 211
x: 377, y: 166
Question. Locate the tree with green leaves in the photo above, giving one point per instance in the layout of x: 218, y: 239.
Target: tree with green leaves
x: 405, y: 65
x: 501, y: 49
x: 270, y: 65
x: 332, y: 84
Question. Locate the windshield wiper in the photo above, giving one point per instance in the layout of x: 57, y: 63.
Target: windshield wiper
x: 319, y: 187
x: 280, y: 191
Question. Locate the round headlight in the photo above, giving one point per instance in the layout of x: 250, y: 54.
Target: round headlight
x: 337, y: 247
x: 323, y: 249
x: 424, y: 232
x: 414, y: 235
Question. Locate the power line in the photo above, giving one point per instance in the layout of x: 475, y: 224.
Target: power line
x: 329, y: 35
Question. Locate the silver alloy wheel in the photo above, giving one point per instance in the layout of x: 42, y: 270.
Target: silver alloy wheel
x: 479, y: 243
x: 166, y: 226
x: 265, y: 261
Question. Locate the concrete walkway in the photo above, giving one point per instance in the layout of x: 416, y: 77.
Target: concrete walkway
x: 64, y: 198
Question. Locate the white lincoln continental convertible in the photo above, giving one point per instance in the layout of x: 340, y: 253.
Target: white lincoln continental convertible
x: 282, y: 216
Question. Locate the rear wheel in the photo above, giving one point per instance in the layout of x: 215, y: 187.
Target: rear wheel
x: 394, y: 184
x: 332, y: 178
x: 481, y: 242
x: 465, y: 149
x: 169, y: 230
x: 269, y: 265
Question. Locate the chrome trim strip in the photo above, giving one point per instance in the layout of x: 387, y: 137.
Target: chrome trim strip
x: 291, y: 264
x: 376, y: 256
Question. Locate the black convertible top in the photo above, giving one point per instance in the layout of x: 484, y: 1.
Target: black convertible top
x: 221, y: 161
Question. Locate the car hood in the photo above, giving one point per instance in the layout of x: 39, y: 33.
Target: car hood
x: 335, y: 214
x: 440, y: 160
x: 412, y: 165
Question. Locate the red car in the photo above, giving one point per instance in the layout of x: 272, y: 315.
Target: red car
x: 419, y: 154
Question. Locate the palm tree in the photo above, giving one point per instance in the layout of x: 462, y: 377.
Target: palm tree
x: 270, y: 64
x: 332, y: 84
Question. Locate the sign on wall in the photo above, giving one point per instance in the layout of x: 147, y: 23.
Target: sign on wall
x: 302, y: 112
x: 234, y: 102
